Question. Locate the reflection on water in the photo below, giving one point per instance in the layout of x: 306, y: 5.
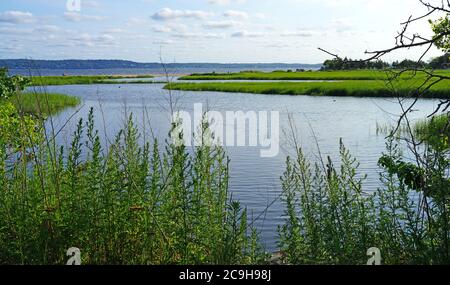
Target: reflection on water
x: 254, y: 180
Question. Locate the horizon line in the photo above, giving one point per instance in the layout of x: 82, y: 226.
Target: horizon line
x: 156, y: 62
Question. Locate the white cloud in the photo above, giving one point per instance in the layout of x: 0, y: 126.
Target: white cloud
x: 11, y: 48
x: 90, y: 4
x: 169, y: 14
x: 221, y: 24
x: 162, y: 29
x: 226, y: 2
x: 260, y: 16
x: 78, y: 17
x: 47, y: 29
x: 16, y: 17
x: 198, y: 35
x: 14, y: 31
x: 93, y: 40
x: 136, y: 21
x: 247, y: 34
x: 105, y: 38
x: 163, y: 42
x: 115, y: 31
x: 349, y: 3
x: 297, y: 34
x: 235, y: 14
x: 342, y: 25
x: 171, y: 28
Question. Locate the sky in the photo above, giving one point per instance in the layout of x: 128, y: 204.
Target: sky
x: 225, y: 31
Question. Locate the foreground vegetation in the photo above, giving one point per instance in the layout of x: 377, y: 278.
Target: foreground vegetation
x: 121, y: 204
x: 136, y: 201
x: 331, y: 220
x: 360, y: 88
x: 85, y: 79
x: 435, y: 131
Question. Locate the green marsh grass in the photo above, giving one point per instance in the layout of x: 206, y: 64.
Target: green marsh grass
x: 434, y: 130
x: 82, y: 80
x: 307, y: 75
x: 43, y: 103
x: 358, y: 88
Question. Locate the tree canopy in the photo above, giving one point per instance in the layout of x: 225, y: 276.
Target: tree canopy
x: 440, y: 62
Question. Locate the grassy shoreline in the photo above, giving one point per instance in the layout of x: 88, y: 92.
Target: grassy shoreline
x: 43, y: 103
x: 355, y: 88
x: 83, y: 79
x: 435, y: 131
x: 306, y: 75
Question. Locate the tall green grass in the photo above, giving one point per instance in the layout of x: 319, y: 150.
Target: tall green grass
x: 331, y: 220
x: 328, y: 215
x: 358, y: 88
x: 435, y: 131
x: 130, y: 201
x: 137, y: 201
x: 307, y: 75
x: 85, y: 79
x: 43, y: 103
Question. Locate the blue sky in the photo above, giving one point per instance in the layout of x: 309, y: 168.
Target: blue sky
x: 203, y: 30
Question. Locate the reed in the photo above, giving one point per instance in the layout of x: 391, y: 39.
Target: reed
x: 43, y: 103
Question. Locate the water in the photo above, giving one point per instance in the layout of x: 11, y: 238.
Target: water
x: 172, y: 69
x: 175, y: 78
x: 254, y: 180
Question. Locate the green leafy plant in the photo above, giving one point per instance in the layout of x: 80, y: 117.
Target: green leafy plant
x: 11, y: 85
x: 330, y: 220
x: 129, y: 203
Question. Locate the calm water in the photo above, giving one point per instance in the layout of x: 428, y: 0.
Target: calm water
x: 254, y: 180
x: 174, y: 78
x: 219, y: 68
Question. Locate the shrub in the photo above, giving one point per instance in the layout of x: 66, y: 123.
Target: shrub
x: 330, y: 220
x: 124, y: 204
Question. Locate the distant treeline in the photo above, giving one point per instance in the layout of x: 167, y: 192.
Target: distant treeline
x: 111, y: 64
x: 441, y: 62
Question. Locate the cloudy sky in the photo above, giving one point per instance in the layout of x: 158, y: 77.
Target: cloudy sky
x: 202, y: 30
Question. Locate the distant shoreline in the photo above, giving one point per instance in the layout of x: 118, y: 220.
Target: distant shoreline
x: 122, y: 64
